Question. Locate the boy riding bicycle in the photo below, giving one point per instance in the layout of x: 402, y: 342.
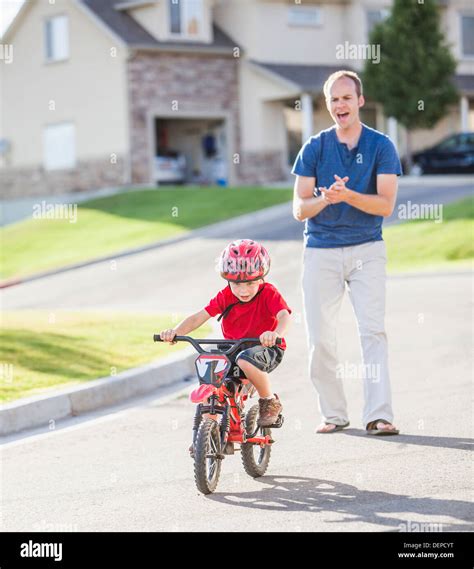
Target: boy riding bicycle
x: 248, y: 307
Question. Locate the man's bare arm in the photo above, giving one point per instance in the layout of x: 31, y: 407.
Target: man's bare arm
x: 381, y: 204
x: 305, y: 204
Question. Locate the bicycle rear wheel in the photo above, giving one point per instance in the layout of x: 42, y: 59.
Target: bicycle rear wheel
x: 254, y: 457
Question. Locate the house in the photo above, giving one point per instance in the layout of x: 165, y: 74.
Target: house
x: 96, y: 89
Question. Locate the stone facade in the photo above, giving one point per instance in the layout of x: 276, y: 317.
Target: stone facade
x: 35, y: 181
x: 176, y: 85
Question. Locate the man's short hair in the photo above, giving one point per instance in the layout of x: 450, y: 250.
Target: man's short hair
x: 337, y: 75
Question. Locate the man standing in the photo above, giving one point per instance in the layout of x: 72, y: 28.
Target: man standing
x: 355, y: 169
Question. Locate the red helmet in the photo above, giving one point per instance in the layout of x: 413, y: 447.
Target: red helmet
x: 244, y: 260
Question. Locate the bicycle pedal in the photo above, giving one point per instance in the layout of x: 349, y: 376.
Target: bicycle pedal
x: 229, y: 448
x: 278, y: 423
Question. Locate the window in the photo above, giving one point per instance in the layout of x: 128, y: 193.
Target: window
x: 467, y: 35
x: 59, y: 146
x: 186, y: 17
x: 449, y: 143
x: 374, y: 17
x: 468, y: 140
x: 304, y: 16
x: 56, y: 32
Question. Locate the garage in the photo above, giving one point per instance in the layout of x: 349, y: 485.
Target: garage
x: 190, y: 151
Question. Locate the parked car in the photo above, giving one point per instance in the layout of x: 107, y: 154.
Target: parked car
x: 170, y: 166
x: 453, y: 155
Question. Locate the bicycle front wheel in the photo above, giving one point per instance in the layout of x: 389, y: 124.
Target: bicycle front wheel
x: 207, y: 456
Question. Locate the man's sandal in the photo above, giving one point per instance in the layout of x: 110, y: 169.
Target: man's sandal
x: 338, y: 428
x: 371, y: 429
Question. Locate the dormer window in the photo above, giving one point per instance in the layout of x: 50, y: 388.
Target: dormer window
x: 56, y: 36
x: 186, y: 17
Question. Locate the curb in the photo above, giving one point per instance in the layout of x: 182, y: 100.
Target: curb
x: 218, y: 229
x: 39, y: 411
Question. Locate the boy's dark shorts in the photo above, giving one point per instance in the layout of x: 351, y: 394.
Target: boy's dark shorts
x: 265, y: 359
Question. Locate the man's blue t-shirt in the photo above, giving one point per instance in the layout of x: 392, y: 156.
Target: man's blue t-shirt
x: 322, y: 156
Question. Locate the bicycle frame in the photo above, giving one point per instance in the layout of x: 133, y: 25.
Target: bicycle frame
x: 223, y: 401
x: 223, y: 393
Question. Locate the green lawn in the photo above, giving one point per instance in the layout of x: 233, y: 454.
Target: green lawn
x: 109, y: 225
x: 424, y: 244
x: 41, y: 350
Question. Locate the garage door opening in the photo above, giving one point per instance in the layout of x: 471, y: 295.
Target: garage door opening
x: 190, y: 151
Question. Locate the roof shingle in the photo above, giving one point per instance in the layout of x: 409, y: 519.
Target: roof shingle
x: 308, y: 78
x: 134, y: 35
x: 311, y: 78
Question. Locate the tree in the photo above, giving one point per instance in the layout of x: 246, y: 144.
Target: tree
x: 414, y: 77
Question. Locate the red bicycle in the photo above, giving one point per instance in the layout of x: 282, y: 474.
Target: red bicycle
x: 223, y: 390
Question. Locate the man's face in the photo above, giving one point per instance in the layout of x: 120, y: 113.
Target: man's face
x: 343, y: 103
x: 245, y: 291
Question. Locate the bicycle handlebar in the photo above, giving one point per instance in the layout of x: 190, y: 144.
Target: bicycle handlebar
x: 196, y: 342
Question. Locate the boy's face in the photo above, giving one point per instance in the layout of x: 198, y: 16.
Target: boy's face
x: 343, y: 103
x: 245, y: 291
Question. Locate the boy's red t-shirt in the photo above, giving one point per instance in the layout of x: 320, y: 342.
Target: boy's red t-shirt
x: 248, y: 319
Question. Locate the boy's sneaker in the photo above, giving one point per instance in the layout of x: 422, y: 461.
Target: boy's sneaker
x: 269, y: 411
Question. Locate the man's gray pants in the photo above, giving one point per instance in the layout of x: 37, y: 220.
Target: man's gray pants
x: 325, y: 272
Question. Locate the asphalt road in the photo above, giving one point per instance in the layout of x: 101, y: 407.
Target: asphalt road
x: 128, y: 469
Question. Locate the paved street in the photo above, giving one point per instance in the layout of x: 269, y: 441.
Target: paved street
x: 129, y: 470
